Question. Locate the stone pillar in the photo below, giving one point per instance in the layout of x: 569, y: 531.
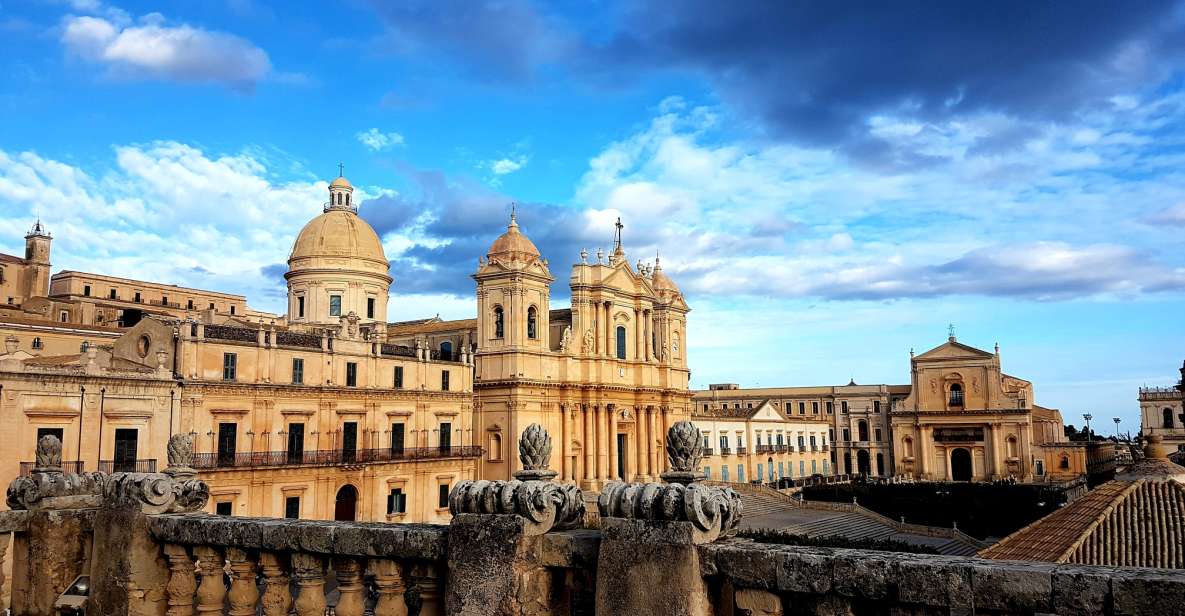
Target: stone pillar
x: 997, y: 452
x: 643, y: 451
x: 589, y: 443
x: 652, y: 434
x: 613, y: 453
x: 602, y: 447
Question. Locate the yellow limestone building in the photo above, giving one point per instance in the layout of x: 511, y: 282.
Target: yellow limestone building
x: 966, y: 420
x: 606, y: 377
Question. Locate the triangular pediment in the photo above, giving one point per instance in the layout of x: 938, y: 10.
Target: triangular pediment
x: 767, y: 412
x: 953, y: 349
x: 624, y: 278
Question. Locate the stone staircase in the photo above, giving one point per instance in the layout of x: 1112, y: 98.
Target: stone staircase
x: 767, y: 508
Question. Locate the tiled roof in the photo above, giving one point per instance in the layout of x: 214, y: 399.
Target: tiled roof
x: 398, y: 329
x: 10, y: 259
x: 1120, y: 523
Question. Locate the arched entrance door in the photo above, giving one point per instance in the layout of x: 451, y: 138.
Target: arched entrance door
x: 863, y: 466
x: 346, y: 507
x: 960, y: 465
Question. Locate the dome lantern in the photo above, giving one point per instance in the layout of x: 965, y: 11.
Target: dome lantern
x: 341, y: 193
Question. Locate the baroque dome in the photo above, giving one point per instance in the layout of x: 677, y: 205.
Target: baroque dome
x: 340, y: 233
x: 513, y: 245
x: 660, y: 281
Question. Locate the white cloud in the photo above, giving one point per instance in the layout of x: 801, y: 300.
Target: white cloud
x: 377, y: 140
x: 166, y: 212
x: 503, y: 166
x: 151, y: 49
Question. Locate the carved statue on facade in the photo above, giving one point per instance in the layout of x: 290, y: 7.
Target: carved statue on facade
x: 588, y: 341
x: 566, y: 340
x: 532, y: 495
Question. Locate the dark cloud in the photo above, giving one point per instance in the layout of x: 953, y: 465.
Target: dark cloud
x: 815, y: 72
x: 275, y: 271
x: 464, y: 218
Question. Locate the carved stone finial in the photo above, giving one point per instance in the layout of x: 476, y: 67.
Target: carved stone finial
x: 49, y: 455
x: 534, y: 450
x: 180, y: 452
x: 684, y: 450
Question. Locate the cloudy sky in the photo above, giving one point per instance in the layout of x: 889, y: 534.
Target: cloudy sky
x: 831, y: 185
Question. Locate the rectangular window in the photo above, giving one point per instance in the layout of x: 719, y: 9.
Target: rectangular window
x: 297, y: 371
x: 814, y: 466
x: 760, y: 471
x: 444, y: 380
x: 446, y: 436
x: 396, y: 502
x: 164, y: 300
x: 847, y: 434
x: 843, y: 406
x: 397, y: 439
x: 295, y: 443
x: 351, y: 374
x: 300, y: 306
x: 349, y: 441
x: 724, y: 473
x: 211, y: 305
x: 815, y: 408
x: 878, y: 433
x: 705, y: 408
x: 111, y: 295
x: 64, y: 316
x: 620, y: 342
x: 398, y: 377
x: 723, y: 443
x: 812, y: 441
x: 741, y: 473
x: 230, y: 363
x: 801, y: 467
x: 876, y: 406
x: 86, y: 290
x: 223, y: 508
x: 227, y: 441
x: 232, y: 308
x: 335, y: 305
x: 137, y: 297
x: 781, y: 470
x: 801, y: 442
x: 802, y: 408
x: 189, y: 304
x: 370, y: 307
x: 292, y: 507
x: 126, y: 441
x: 830, y: 407
x: 442, y: 496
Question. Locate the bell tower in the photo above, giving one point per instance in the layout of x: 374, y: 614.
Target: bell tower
x: 37, y: 243
x: 513, y: 295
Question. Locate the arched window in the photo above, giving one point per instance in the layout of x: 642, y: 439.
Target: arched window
x: 1011, y: 446
x: 347, y: 199
x: 1168, y: 418
x: 531, y: 318
x: 907, y: 445
x: 37, y: 345
x: 956, y: 394
x: 499, y: 322
x: 1065, y: 463
x: 862, y: 429
x: 446, y: 350
x: 620, y: 342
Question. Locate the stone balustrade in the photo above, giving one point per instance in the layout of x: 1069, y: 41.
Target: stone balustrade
x: 513, y: 548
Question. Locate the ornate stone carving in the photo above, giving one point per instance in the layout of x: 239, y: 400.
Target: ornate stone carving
x: 49, y: 455
x: 534, y: 451
x: 566, y: 340
x: 156, y: 492
x: 711, y: 510
x: 180, y: 452
x: 531, y: 495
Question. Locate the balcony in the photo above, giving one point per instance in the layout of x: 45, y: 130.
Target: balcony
x: 765, y: 448
x: 707, y: 452
x: 127, y: 466
x: 742, y: 451
x: 329, y: 457
x: 68, y: 466
x: 781, y: 448
x: 725, y: 451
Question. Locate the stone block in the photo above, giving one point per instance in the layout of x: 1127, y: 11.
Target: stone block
x: 279, y: 536
x: 804, y: 571
x: 1147, y: 591
x: 1084, y: 591
x: 571, y: 549
x: 352, y: 540
x: 316, y: 537
x: 863, y: 575
x: 388, y: 541
x: 1012, y: 587
x: 749, y: 566
x: 933, y: 582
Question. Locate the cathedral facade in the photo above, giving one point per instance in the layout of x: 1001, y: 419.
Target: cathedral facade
x: 328, y: 411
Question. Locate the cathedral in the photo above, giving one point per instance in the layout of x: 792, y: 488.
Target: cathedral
x: 329, y: 411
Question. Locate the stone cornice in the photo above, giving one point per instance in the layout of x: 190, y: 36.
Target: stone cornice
x: 314, y: 392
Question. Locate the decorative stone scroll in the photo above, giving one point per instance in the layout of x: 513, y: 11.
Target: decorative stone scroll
x: 175, y: 490
x: 713, y: 511
x: 47, y: 486
x: 531, y: 494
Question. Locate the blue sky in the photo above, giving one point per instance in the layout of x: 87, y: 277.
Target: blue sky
x: 830, y: 185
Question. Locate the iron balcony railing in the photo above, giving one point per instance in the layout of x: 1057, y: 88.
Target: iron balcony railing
x: 742, y: 451
x: 707, y: 451
x: 68, y: 466
x: 127, y: 466
x: 725, y: 451
x: 329, y: 457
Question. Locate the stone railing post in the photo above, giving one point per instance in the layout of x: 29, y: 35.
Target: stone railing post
x: 389, y: 580
x: 496, y: 534
x: 211, y: 593
x: 131, y: 571
x: 276, y: 599
x: 309, y: 572
x: 182, y: 582
x: 648, y: 564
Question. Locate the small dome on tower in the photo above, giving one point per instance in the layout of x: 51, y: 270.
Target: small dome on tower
x: 661, y: 282
x: 341, y: 182
x: 513, y: 245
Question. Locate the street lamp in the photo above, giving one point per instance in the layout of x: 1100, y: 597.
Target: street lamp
x: 1087, y: 417
x: 1116, y: 420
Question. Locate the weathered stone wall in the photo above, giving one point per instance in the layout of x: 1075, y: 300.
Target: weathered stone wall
x: 54, y: 549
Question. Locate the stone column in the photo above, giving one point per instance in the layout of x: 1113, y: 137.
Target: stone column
x: 997, y: 452
x: 589, y: 443
x: 613, y: 453
x: 652, y: 432
x: 565, y: 442
x: 602, y: 448
x: 643, y: 450
x: 922, y: 450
